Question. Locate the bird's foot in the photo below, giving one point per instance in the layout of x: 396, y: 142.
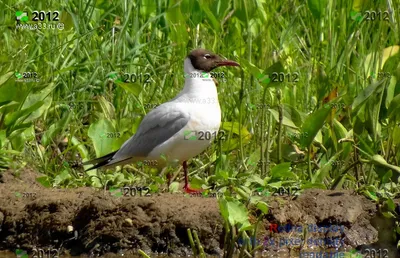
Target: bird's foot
x: 189, y: 190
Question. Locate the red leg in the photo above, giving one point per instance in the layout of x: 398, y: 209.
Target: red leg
x: 187, y: 187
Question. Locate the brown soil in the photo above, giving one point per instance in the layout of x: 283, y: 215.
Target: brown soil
x: 88, y: 222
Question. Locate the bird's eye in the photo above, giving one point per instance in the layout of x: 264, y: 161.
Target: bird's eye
x: 207, y: 56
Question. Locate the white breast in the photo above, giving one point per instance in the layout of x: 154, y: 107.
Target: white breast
x: 199, y: 99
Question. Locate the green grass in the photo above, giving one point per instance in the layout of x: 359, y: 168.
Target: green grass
x: 292, y: 134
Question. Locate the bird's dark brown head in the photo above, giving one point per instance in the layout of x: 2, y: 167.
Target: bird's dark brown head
x: 205, y: 60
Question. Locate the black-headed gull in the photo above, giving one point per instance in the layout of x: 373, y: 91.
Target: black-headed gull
x: 171, y: 132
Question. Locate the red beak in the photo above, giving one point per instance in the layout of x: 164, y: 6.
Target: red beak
x: 227, y: 63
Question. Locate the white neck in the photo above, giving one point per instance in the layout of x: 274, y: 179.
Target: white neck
x: 195, y: 86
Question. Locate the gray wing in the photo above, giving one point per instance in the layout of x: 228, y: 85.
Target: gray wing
x: 158, y: 125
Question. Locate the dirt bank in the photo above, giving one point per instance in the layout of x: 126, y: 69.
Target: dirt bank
x: 91, y: 222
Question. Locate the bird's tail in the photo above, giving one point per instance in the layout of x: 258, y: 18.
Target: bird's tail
x: 99, y: 162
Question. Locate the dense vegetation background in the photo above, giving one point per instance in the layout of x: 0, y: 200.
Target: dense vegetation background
x: 316, y: 104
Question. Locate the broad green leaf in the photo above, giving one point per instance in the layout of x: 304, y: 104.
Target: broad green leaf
x: 40, y: 111
x: 62, y: 177
x: 243, y: 193
x: 11, y: 91
x: 9, y: 105
x: 233, y: 129
x: 18, y: 138
x: 388, y: 215
x: 5, y: 77
x: 81, y: 148
x: 262, y: 206
x: 222, y: 174
x: 294, y: 114
x: 275, y: 184
x: 97, y: 132
x: 21, y: 115
x: 318, y: 138
x: 380, y: 161
x: 341, y: 133
x: 285, y: 121
x: 322, y: 172
x: 385, y: 55
x: 133, y: 88
x: 38, y: 96
x: 44, y: 181
x: 234, y: 212
x: 94, y: 178
x: 282, y: 171
x: 251, y: 68
x: 363, y: 96
x: 276, y: 67
x: 390, y: 205
x: 313, y: 124
x: 197, y: 182
x: 370, y: 195
x: 42, y: 95
x: 174, y: 187
x: 255, y: 178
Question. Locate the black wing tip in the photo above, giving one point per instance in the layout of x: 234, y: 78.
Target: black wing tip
x: 98, y: 165
x: 99, y: 162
